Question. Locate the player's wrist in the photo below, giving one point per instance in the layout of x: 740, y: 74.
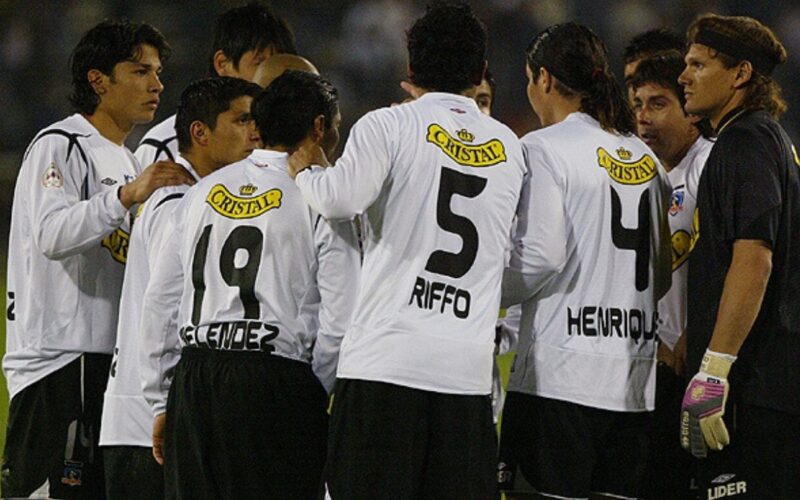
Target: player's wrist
x: 717, y: 364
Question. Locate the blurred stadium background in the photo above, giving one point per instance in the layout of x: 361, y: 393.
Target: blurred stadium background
x: 357, y: 44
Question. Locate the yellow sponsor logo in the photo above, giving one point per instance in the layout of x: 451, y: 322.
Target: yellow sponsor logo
x: 681, y: 248
x: 117, y: 245
x: 236, y: 207
x: 624, y: 172
x: 477, y: 155
x: 695, y: 229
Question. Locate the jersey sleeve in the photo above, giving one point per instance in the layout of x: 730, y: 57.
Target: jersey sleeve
x: 159, y: 343
x: 752, y: 207
x: 354, y: 183
x: 64, y: 221
x: 337, y: 279
x: 661, y: 238
x: 539, y: 244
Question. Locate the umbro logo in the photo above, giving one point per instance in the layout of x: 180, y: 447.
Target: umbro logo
x: 108, y: 181
x: 457, y: 110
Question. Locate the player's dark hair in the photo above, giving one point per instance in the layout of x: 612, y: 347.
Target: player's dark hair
x: 285, y: 111
x: 662, y: 69
x: 447, y: 48
x: 204, y: 100
x: 489, y: 77
x: 652, y: 42
x: 762, y: 91
x: 102, y: 48
x: 250, y: 27
x: 577, y: 58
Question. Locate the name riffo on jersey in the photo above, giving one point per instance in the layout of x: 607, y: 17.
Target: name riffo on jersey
x: 232, y: 206
x: 472, y: 155
x: 442, y: 297
x: 627, y: 172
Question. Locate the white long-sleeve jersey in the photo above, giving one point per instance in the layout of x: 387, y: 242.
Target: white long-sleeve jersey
x: 685, y: 178
x: 439, y: 183
x: 248, y: 267
x: 159, y: 143
x: 588, y: 335
x: 67, y: 250
x: 127, y: 418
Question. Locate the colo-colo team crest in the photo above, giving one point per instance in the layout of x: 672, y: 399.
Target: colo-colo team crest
x: 624, y: 171
x: 232, y: 206
x: 473, y: 155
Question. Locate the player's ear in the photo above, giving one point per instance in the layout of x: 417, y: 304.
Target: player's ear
x: 744, y: 73
x: 98, y: 80
x: 318, y: 131
x: 222, y: 64
x: 546, y: 79
x: 199, y: 132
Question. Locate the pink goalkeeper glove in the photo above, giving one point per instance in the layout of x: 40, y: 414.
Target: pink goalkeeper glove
x: 703, y: 406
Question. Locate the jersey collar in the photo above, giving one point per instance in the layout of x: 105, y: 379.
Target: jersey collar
x: 446, y: 98
x: 732, y: 116
x: 269, y: 158
x: 180, y: 160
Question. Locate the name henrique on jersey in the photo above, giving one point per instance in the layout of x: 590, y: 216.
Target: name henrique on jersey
x: 439, y: 183
x: 67, y: 250
x: 159, y: 143
x: 589, y: 335
x: 684, y: 177
x: 248, y: 267
x: 127, y: 419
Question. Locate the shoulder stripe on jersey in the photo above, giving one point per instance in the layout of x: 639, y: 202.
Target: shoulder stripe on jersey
x: 173, y: 196
x: 161, y: 146
x: 316, y: 222
x: 71, y: 137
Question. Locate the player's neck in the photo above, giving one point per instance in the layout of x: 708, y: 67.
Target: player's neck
x: 671, y: 161
x: 112, y: 128
x: 203, y: 166
x: 560, y: 109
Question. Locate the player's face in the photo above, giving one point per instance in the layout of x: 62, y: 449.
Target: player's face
x: 131, y: 95
x: 707, y: 84
x: 661, y: 122
x: 234, y: 137
x: 483, y: 97
x: 250, y: 61
x: 331, y: 138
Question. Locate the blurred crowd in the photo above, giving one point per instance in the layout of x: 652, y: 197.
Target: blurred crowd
x: 358, y: 44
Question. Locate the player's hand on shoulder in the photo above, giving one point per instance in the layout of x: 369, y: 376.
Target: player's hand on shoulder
x: 159, y: 174
x: 306, y: 155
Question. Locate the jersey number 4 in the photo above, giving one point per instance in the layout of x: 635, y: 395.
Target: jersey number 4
x: 637, y: 239
x: 248, y: 238
x: 456, y: 265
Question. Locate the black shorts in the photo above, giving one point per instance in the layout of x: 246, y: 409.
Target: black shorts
x: 762, y: 461
x: 394, y: 442
x: 52, y: 433
x: 244, y: 425
x: 669, y: 468
x: 568, y: 450
x: 132, y: 473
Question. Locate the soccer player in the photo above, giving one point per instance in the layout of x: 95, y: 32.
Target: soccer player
x: 265, y: 292
x: 244, y: 38
x: 439, y: 182
x: 214, y: 128
x: 70, y: 228
x: 674, y: 137
x: 743, y: 332
x: 582, y: 386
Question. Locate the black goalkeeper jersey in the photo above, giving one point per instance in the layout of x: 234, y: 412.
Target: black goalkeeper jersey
x: 750, y: 190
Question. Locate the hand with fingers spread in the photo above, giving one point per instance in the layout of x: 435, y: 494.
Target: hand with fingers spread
x: 159, y: 427
x: 703, y: 406
x: 159, y: 174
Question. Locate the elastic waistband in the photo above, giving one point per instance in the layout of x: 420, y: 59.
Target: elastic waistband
x: 200, y: 354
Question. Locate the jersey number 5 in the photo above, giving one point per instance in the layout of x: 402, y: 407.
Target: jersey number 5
x: 637, y: 239
x: 247, y: 238
x: 456, y: 265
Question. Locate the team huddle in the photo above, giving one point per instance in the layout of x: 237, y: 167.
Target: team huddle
x: 226, y: 314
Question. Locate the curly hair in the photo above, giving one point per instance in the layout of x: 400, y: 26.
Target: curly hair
x: 102, y: 48
x: 285, y: 111
x: 447, y: 48
x: 761, y: 92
